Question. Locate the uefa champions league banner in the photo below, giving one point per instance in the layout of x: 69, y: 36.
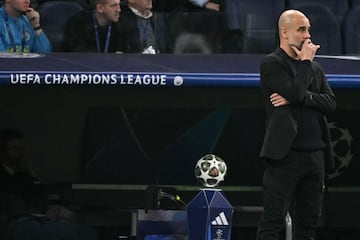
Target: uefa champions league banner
x: 157, y: 70
x: 152, y: 79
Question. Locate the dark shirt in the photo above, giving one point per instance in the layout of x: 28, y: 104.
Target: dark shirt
x: 309, y: 135
x: 80, y: 36
x: 23, y: 191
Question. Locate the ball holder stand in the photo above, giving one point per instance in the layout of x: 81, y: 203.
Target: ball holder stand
x: 209, y: 216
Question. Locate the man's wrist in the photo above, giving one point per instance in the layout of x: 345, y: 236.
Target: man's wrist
x: 37, y: 28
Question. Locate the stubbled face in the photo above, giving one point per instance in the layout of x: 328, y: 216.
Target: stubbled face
x: 298, y: 30
x: 111, y: 10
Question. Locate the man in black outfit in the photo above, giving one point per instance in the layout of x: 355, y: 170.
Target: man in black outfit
x: 296, y: 148
x: 95, y: 30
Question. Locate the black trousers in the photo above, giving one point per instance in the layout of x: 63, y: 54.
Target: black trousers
x: 295, y: 182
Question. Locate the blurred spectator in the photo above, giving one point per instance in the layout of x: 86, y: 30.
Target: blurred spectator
x: 19, y: 191
x: 202, y: 17
x: 95, y: 30
x: 190, y: 17
x: 138, y: 20
x: 191, y: 43
x: 22, y: 202
x: 17, y: 176
x: 20, y: 29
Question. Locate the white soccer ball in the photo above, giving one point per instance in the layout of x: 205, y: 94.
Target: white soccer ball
x: 210, y: 170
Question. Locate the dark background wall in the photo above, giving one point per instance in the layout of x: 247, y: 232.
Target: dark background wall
x: 156, y: 135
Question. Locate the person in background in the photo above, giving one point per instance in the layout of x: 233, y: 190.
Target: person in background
x: 17, y: 175
x: 191, y: 43
x: 296, y: 149
x: 189, y: 17
x: 138, y: 21
x: 19, y: 193
x: 24, y: 212
x: 20, y: 29
x: 95, y: 30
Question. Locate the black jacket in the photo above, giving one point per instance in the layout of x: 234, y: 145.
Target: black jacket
x: 79, y: 36
x: 129, y: 27
x: 304, y: 87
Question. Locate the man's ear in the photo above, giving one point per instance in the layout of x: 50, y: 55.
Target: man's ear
x: 283, y: 33
x: 99, y: 8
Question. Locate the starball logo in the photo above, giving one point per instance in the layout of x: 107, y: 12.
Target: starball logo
x: 219, y: 234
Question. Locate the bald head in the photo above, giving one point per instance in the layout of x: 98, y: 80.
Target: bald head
x: 288, y: 16
x: 294, y: 29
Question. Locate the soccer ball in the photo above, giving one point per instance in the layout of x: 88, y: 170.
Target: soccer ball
x: 210, y: 170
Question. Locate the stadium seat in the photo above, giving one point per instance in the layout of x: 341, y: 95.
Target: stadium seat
x: 54, y: 16
x: 338, y: 7
x: 325, y: 28
x: 243, y: 20
x: 260, y: 34
x: 351, y: 31
x: 235, y: 10
x: 355, y: 3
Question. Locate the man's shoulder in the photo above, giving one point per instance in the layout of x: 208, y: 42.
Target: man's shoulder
x: 274, y: 57
x: 127, y: 17
x: 126, y: 11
